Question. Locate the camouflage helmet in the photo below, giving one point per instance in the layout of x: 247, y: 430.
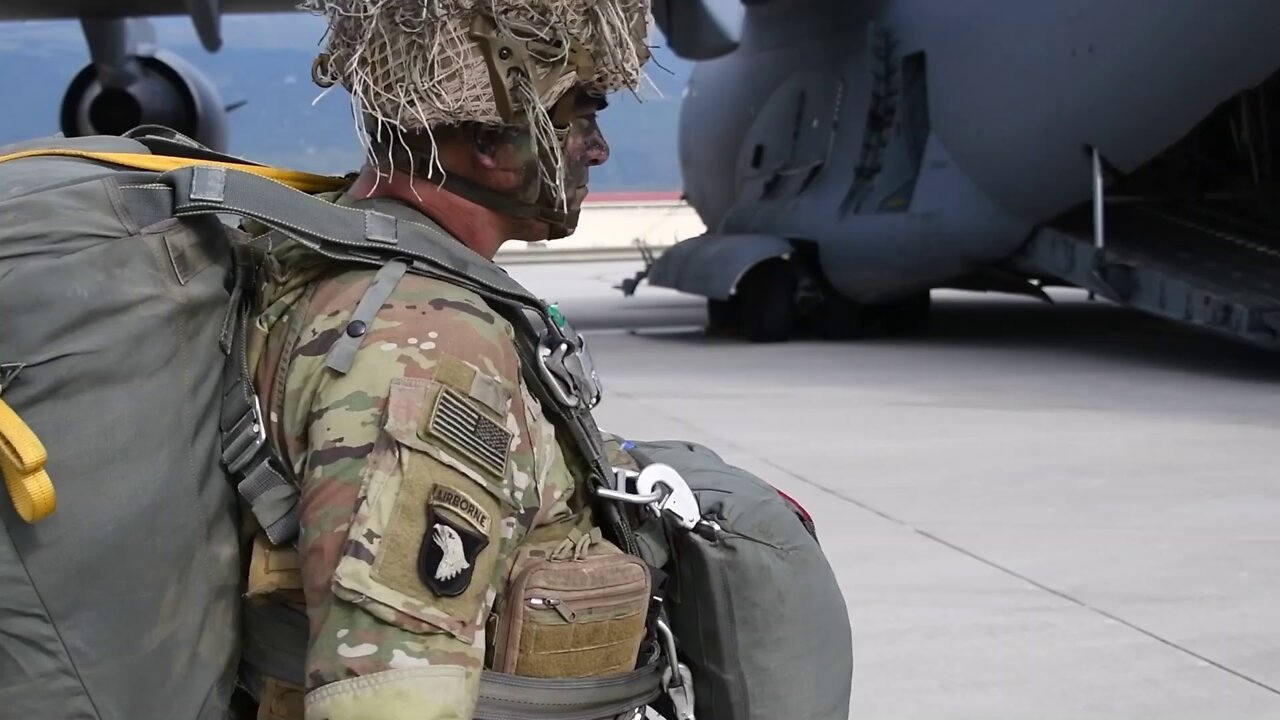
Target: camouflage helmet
x: 415, y: 65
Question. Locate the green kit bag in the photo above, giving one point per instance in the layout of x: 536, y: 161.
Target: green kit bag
x: 117, y: 334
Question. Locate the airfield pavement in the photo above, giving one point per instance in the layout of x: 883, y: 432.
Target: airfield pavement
x: 1035, y: 511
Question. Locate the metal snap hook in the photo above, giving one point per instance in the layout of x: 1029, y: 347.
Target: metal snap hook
x: 677, y: 499
x: 677, y: 681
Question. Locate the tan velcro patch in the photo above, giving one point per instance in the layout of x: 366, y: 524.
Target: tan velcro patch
x: 397, y: 564
x: 481, y: 387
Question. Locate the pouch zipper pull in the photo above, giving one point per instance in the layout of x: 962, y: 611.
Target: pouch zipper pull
x: 548, y: 603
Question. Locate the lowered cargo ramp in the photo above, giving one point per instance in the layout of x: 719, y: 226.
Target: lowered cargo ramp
x: 1191, y: 264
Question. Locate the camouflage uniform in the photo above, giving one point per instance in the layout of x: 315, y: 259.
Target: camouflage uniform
x: 375, y: 471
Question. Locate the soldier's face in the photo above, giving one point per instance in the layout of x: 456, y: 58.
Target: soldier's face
x: 513, y: 166
x: 507, y: 161
x: 586, y: 147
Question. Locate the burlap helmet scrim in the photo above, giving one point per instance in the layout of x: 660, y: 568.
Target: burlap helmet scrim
x: 416, y: 65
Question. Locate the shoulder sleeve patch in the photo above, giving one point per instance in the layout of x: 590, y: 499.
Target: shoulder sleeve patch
x: 465, y: 429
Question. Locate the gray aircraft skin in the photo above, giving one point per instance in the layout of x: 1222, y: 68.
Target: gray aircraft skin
x: 849, y: 156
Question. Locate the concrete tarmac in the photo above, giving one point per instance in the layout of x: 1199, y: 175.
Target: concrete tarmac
x: 1035, y: 511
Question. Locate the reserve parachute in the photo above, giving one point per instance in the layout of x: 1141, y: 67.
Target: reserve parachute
x: 763, y: 625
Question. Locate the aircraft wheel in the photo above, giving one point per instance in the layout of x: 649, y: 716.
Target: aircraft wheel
x: 768, y: 310
x: 722, y: 315
x: 909, y: 316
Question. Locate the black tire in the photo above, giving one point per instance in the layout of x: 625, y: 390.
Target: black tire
x: 722, y: 316
x: 767, y: 302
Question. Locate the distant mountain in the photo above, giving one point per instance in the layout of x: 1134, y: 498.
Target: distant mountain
x: 266, y: 61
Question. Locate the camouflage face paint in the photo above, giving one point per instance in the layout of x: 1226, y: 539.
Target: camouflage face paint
x: 514, y: 153
x: 585, y: 148
x: 516, y: 167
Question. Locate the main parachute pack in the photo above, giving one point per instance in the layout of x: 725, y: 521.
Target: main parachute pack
x: 127, y: 426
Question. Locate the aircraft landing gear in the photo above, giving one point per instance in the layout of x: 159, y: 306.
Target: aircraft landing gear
x: 722, y: 316
x: 838, y: 318
x: 777, y: 300
x: 908, y: 316
x: 767, y: 302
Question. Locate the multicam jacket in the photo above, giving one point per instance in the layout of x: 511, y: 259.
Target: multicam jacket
x: 421, y: 470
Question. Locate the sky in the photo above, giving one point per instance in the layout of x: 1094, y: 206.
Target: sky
x: 285, y: 31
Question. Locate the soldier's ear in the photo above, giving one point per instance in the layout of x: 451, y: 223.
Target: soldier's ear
x: 502, y: 148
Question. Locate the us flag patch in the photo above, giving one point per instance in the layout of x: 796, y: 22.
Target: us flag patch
x: 464, y: 429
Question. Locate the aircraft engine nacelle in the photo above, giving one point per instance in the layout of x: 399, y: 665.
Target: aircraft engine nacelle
x: 157, y: 88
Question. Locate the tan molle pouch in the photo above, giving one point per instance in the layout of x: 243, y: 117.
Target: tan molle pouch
x: 274, y: 573
x: 572, y: 609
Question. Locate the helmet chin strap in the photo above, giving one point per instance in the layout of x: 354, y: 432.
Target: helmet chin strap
x: 545, y: 208
x: 560, y: 223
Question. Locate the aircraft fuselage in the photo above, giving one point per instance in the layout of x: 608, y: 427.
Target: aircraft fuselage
x: 911, y: 141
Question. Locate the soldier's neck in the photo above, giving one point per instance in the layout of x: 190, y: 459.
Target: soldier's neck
x: 475, y: 226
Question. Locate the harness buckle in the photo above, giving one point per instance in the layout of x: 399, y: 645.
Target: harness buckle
x: 567, y: 367
x: 242, y: 442
x: 587, y: 371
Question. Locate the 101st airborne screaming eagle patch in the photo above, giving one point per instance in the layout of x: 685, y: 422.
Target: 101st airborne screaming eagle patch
x: 447, y: 558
